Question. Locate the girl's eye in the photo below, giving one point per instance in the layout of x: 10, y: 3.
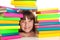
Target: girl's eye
x: 22, y: 22
x: 29, y: 20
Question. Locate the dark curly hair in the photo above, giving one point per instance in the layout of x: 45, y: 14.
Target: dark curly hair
x: 29, y: 16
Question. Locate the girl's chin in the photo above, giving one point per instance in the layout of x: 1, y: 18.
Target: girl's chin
x: 27, y: 31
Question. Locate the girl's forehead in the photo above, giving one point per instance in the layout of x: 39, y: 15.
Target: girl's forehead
x: 27, y: 19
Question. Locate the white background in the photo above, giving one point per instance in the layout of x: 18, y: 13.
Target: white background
x: 40, y: 3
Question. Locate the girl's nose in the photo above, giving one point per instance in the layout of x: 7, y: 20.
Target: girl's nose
x: 26, y: 24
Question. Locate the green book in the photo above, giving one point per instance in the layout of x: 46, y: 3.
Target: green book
x: 8, y: 18
x: 9, y: 31
x: 9, y: 24
x: 48, y: 16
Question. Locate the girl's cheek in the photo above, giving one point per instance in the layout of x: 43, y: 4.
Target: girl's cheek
x: 31, y: 23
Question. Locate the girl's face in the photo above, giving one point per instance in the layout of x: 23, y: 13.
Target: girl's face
x: 26, y: 25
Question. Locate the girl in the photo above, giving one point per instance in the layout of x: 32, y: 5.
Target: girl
x: 27, y: 24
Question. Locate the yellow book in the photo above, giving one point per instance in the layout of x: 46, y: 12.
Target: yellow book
x: 8, y: 22
x: 45, y: 9
x: 9, y: 27
x: 48, y: 19
x: 44, y: 34
x: 24, y: 3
